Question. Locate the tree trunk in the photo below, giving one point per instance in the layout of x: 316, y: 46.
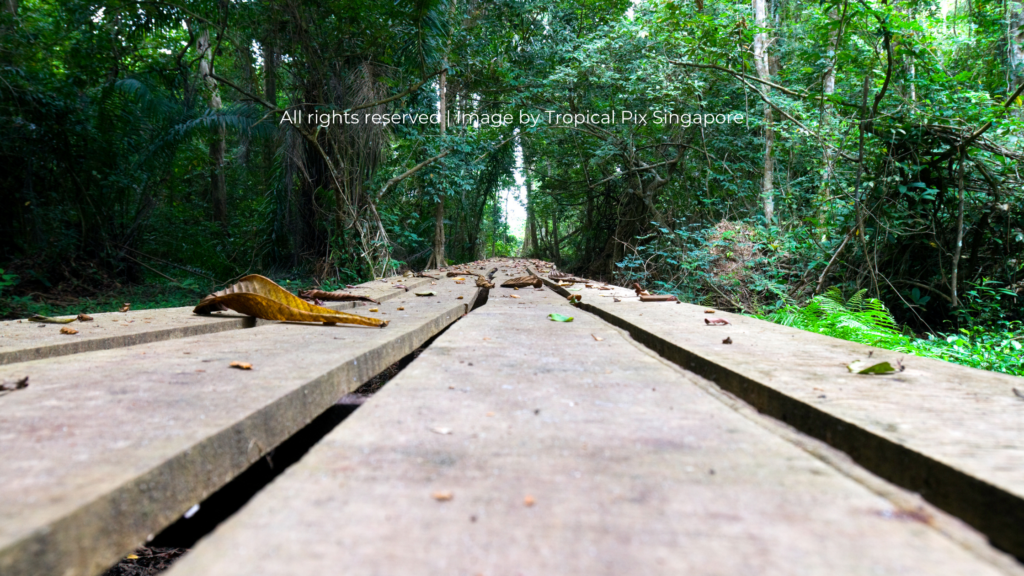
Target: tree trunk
x: 555, y: 240
x: 1015, y: 41
x: 955, y: 301
x: 828, y: 88
x: 530, y: 234
x: 437, y: 259
x: 764, y: 73
x: 218, y: 188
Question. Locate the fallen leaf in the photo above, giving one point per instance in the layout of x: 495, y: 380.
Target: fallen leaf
x: 513, y: 295
x: 12, y: 385
x: 401, y: 307
x: 427, y: 293
x: 128, y: 306
x: 131, y: 557
x: 460, y: 298
x: 857, y: 366
x: 68, y: 330
x: 442, y: 495
x: 715, y: 321
x: 604, y: 288
x: 489, y: 414
x: 441, y: 430
x: 528, y: 500
x: 48, y: 320
x: 559, y: 317
x: 483, y: 283
x: 258, y: 296
x: 84, y: 318
x: 596, y: 337
x: 709, y: 311
x: 575, y: 298
x: 728, y: 340
x: 335, y: 296
x: 460, y: 279
x: 374, y: 310
x: 241, y: 365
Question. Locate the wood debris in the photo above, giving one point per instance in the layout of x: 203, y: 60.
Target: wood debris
x: 335, y: 296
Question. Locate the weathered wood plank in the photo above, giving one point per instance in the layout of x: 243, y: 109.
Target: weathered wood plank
x: 631, y: 468
x: 949, y: 432
x: 107, y: 447
x: 22, y: 341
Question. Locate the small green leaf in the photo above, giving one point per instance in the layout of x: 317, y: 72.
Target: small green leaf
x: 560, y: 318
x: 879, y: 368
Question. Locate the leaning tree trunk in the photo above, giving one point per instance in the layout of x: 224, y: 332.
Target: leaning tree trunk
x: 764, y: 73
x: 218, y: 189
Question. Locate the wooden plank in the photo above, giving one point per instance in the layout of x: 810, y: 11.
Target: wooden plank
x: 107, y: 447
x: 630, y: 466
x: 22, y: 341
x: 949, y: 432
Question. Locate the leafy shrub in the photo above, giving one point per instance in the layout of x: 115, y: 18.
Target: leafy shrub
x: 866, y: 320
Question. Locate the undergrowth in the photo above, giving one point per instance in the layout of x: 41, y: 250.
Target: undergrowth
x: 866, y: 320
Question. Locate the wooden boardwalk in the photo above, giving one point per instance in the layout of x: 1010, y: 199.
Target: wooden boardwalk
x: 628, y: 441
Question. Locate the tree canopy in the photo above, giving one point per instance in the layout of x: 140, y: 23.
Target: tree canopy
x: 759, y: 152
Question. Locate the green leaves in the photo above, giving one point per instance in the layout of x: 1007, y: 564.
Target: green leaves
x: 559, y: 318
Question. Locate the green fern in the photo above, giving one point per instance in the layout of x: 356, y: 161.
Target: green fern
x: 858, y: 319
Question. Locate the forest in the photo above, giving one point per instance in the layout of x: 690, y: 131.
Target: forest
x: 851, y: 167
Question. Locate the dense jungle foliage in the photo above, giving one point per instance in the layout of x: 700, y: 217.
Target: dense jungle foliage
x: 151, y: 146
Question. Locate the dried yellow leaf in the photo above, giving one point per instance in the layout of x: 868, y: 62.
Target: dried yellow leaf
x: 374, y: 309
x: 442, y: 495
x: 66, y: 330
x: 258, y: 296
x: 241, y: 365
